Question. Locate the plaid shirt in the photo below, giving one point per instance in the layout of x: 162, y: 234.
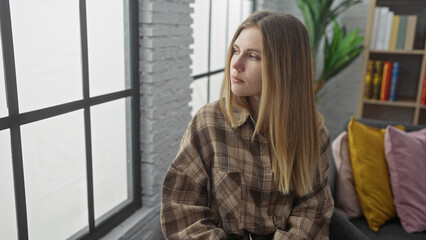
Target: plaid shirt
x: 220, y: 185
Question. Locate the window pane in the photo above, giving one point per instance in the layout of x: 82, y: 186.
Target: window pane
x: 215, y: 85
x: 201, y: 32
x: 3, y: 103
x: 7, y: 201
x: 199, y: 94
x: 46, y: 37
x: 112, y: 158
x: 106, y: 46
x: 234, y: 18
x: 247, y: 9
x: 55, y: 176
x: 218, y: 39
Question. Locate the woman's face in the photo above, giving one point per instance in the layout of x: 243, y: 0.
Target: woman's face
x: 246, y: 64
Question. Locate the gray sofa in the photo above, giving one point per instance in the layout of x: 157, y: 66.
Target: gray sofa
x: 340, y: 229
x: 392, y: 230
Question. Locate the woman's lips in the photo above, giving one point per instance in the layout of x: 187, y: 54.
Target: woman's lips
x: 236, y: 80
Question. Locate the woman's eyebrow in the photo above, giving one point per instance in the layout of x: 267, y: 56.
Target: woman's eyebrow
x: 248, y: 50
x: 253, y: 50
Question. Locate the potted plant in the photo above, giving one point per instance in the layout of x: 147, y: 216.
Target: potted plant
x: 342, y: 49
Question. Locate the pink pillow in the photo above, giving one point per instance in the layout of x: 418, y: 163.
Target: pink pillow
x: 406, y: 158
x: 346, y: 199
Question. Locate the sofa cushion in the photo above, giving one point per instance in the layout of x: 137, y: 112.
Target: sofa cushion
x: 383, y: 124
x: 346, y: 199
x: 371, y: 178
x: 406, y: 159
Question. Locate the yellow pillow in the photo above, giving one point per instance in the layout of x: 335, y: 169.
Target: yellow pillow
x: 371, y: 177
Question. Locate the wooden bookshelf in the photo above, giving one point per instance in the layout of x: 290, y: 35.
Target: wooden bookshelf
x: 399, y: 103
x: 408, y: 107
x: 413, y: 52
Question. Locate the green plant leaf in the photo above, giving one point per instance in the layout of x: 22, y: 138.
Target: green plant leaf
x: 308, y: 18
x: 348, y: 59
x: 336, y: 37
x: 326, y: 53
x: 341, y: 49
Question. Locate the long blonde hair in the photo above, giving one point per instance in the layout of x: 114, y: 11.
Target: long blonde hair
x: 287, y: 106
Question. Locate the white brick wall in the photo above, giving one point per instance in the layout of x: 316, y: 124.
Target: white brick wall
x: 165, y: 78
x: 165, y: 36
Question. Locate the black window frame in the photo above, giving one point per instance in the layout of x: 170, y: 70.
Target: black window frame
x: 15, y: 119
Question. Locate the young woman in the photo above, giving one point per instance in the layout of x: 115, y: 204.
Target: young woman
x: 254, y: 165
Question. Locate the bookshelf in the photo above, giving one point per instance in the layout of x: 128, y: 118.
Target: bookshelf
x: 408, y: 107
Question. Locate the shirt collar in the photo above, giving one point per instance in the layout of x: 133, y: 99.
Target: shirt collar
x: 240, y: 115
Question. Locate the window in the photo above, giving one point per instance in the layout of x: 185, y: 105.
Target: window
x: 69, y: 117
x: 214, y: 25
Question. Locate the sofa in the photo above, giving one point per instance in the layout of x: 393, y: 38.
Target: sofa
x: 392, y: 229
x: 340, y: 226
x: 340, y: 229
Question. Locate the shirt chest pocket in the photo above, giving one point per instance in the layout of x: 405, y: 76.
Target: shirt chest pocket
x: 227, y: 194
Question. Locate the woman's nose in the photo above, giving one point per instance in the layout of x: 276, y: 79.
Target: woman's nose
x: 237, y: 63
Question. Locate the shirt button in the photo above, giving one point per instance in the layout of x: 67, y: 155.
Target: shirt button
x: 268, y: 170
x: 264, y: 203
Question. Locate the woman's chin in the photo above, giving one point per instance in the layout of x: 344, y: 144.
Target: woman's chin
x: 238, y: 92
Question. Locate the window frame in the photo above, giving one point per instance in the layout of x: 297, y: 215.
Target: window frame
x: 14, y: 120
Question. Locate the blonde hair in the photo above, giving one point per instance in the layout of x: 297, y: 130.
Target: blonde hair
x: 287, y: 108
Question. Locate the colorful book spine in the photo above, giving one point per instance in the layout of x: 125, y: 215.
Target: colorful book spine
x: 394, y: 32
x: 423, y: 101
x: 388, y: 30
x: 400, y: 42
x: 411, y: 32
x: 377, y: 79
x: 374, y: 31
x: 394, y: 88
x: 368, y: 88
x: 386, y: 81
x: 381, y: 28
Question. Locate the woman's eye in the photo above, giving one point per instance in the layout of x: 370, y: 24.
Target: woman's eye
x: 254, y: 57
x: 236, y: 51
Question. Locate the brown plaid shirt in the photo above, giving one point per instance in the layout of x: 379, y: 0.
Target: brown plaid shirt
x: 220, y: 185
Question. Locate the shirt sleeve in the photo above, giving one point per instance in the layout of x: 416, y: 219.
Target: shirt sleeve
x: 310, y: 216
x: 186, y: 192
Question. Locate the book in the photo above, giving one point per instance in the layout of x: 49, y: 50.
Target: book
x: 381, y: 28
x: 394, y: 87
x: 377, y: 79
x: 423, y: 100
x: 386, y: 80
x: 388, y: 30
x: 400, y: 42
x: 411, y: 32
x: 394, y: 32
x: 374, y: 29
x: 368, y: 88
